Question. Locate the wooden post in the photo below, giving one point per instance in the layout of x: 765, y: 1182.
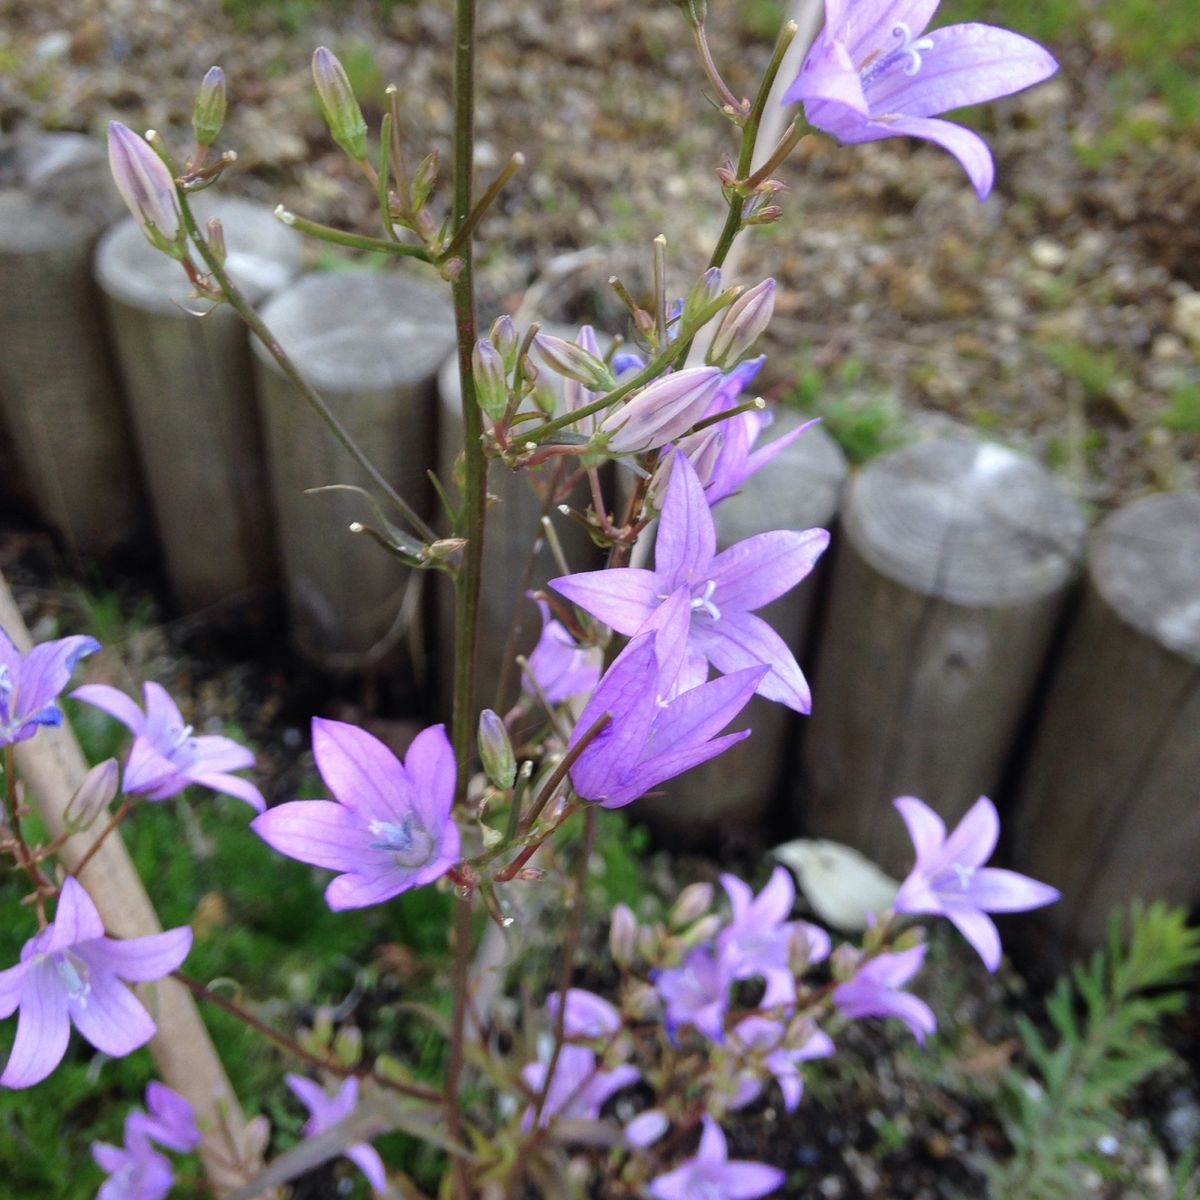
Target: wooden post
x: 954, y: 559
x: 52, y: 767
x: 1108, y: 805
x: 801, y: 489
x: 513, y: 528
x: 189, y: 385
x: 371, y: 344
x: 57, y: 384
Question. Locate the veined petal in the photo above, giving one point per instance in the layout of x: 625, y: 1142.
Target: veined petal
x: 713, y: 1148
x: 360, y: 771
x: 967, y: 146
x: 774, y: 903
x: 686, y: 539
x: 829, y: 76
x: 75, y: 920
x: 967, y: 64
x: 139, y: 959
x: 974, y: 837
x: 216, y: 753
x: 318, y: 832
x: 360, y: 891
x: 997, y: 890
x: 431, y: 771
x: 42, y: 1029
x: 757, y: 570
x: 150, y: 773
x: 649, y: 774
x: 623, y: 598
x: 869, y: 24
x: 925, y: 827
x: 47, y: 667
x: 111, y: 1017
x: 740, y: 894
x: 232, y: 785
x: 112, y: 701
x: 757, y: 459
x: 696, y: 715
x: 743, y: 640
x: 979, y: 929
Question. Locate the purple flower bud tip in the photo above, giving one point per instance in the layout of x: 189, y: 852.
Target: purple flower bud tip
x: 146, y: 187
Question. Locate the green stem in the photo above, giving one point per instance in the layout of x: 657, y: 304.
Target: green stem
x: 251, y: 318
x: 489, y: 197
x: 356, y: 241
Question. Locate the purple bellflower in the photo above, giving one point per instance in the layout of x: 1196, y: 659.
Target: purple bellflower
x: 580, y: 1087
x: 388, y: 827
x: 30, y: 683
x: 763, y: 1037
x: 136, y: 1171
x: 712, y: 1175
x: 70, y: 973
x: 658, y: 728
x: 325, y: 1110
x: 587, y: 1015
x: 170, y: 1120
x: 875, y: 992
x: 695, y: 993
x: 165, y: 756
x: 723, y: 589
x: 874, y: 73
x: 950, y: 880
x: 559, y: 665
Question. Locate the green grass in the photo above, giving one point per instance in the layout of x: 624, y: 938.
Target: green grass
x: 863, y: 420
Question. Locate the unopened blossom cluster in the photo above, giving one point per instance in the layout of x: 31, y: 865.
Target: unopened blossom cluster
x: 640, y: 673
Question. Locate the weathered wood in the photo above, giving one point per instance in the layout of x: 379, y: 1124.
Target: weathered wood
x: 52, y: 766
x: 189, y: 386
x: 1108, y: 805
x: 801, y: 489
x: 57, y: 385
x: 512, y: 535
x: 371, y: 344
x: 951, y: 569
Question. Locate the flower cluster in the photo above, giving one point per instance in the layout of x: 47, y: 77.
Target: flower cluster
x: 136, y: 1170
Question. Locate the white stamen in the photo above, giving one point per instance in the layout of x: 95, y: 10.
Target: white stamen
x: 705, y: 601
x: 910, y: 46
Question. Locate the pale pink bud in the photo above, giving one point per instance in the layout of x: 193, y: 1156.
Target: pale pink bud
x: 742, y: 325
x: 491, y: 387
x: 147, y: 188
x: 704, y: 291
x: 574, y: 362
x: 694, y: 901
x: 622, y: 935
x: 338, y: 105
x: 646, y: 1128
x: 93, y: 796
x: 661, y: 412
x: 495, y: 749
x: 503, y: 335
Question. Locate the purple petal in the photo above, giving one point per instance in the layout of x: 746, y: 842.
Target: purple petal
x: 11, y: 983
x: 980, y: 930
x: 430, y: 766
x: 360, y: 891
x: 360, y: 771
x: 232, y: 785
x: 755, y: 571
x: 111, y: 1017
x: 366, y: 1159
x: 139, y: 959
x: 75, y: 920
x: 925, y: 827
x: 996, y: 890
x: 743, y: 640
x: 587, y: 1015
x: 967, y: 146
x: 215, y: 753
x: 42, y: 1029
x: 893, y: 970
x: 774, y: 902
x: 686, y: 537
x: 740, y: 894
x: 830, y: 78
x: 867, y: 25
x: 712, y: 1143
x: 622, y: 598
x: 974, y: 837
x: 653, y: 771
x: 748, y: 1180
x: 319, y: 832
x: 697, y: 715
x: 312, y: 1095
x: 173, y: 1122
x: 759, y: 458
x: 150, y: 773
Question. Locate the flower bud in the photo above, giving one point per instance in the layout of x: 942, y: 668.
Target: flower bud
x: 693, y: 903
x: 545, y: 397
x: 704, y: 291
x: 216, y: 239
x: 641, y: 1002
x: 491, y: 387
x: 338, y: 105
x: 147, y: 188
x: 503, y: 335
x: 574, y: 362
x: 495, y: 749
x: 704, y: 930
x: 743, y: 323
x: 208, y: 112
x: 424, y: 180
x: 661, y: 411
x: 622, y: 935
x: 646, y: 1128
x: 93, y: 796
x: 348, y: 1046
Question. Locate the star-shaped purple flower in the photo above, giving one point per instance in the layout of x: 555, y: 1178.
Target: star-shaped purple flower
x: 659, y: 726
x: 388, y: 827
x: 136, y: 1171
x: 166, y: 756
x: 950, y: 880
x: 170, y: 1120
x: 711, y: 1174
x: 695, y: 993
x: 71, y: 973
x: 325, y: 1110
x: 768, y: 1041
x: 873, y: 73
x: 723, y: 589
x: 875, y: 992
x: 580, y: 1087
x: 30, y: 683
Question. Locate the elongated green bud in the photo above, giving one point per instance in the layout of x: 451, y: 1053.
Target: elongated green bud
x: 503, y: 335
x: 491, y: 386
x: 495, y: 749
x: 574, y: 362
x: 208, y: 113
x: 424, y: 180
x: 704, y: 291
x: 338, y: 105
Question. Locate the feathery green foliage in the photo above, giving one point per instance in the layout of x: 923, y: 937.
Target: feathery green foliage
x: 1105, y: 1014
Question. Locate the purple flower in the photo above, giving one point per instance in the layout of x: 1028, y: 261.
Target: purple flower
x: 695, y: 993
x: 165, y: 756
x: 767, y: 1040
x: 950, y: 880
x: 559, y: 665
x: 325, y: 1110
x: 711, y: 1174
x: 388, y: 827
x: 136, y: 1171
x: 875, y: 992
x: 659, y: 727
x: 579, y: 1088
x: 30, y: 683
x: 170, y: 1120
x: 871, y: 74
x: 587, y: 1015
x: 723, y: 589
x: 71, y: 973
